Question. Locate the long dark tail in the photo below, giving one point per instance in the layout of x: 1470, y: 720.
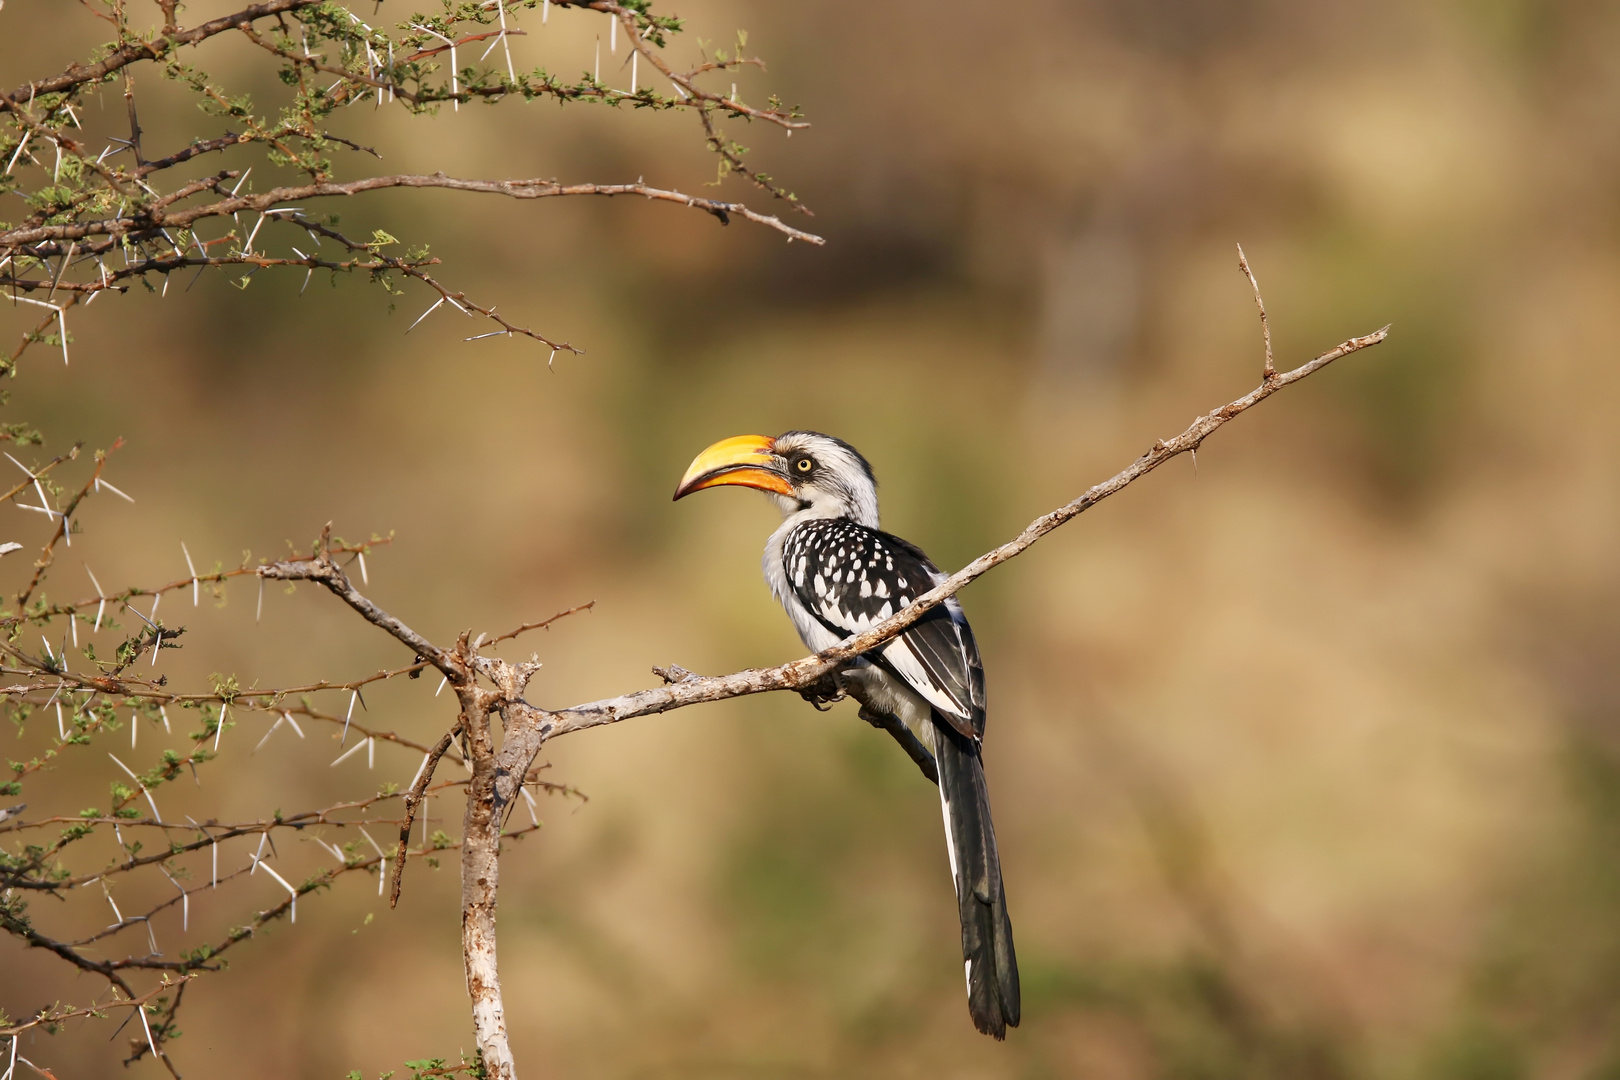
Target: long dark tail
x: 987, y: 944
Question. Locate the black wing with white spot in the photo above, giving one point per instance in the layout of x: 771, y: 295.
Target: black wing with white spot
x: 851, y: 577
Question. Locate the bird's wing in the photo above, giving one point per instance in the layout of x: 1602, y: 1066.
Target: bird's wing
x: 851, y: 577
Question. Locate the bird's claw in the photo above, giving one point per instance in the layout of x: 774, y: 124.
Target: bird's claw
x: 823, y: 693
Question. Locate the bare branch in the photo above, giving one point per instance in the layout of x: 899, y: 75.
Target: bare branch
x: 541, y: 625
x: 323, y: 570
x: 413, y: 800
x: 1270, y: 371
x: 801, y: 673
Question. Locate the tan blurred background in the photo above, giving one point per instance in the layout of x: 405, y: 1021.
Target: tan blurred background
x: 1305, y: 763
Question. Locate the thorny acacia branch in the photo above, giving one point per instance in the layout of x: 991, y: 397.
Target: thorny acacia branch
x: 104, y: 210
x: 39, y: 238
x: 87, y: 209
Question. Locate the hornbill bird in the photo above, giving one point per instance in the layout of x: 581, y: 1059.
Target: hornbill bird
x: 837, y: 574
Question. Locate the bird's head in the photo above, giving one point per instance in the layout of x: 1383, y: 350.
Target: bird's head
x: 801, y: 470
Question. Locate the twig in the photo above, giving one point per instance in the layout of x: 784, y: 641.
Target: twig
x: 413, y: 800
x: 1270, y: 371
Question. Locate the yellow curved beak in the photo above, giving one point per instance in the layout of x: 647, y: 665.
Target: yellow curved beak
x: 745, y: 460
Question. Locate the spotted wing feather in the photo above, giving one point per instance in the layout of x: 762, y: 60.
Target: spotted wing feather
x: 851, y: 577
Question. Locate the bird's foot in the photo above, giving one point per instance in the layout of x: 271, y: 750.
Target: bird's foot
x: 823, y: 693
x: 877, y: 719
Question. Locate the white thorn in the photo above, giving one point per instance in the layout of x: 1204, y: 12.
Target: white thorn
x: 354, y: 695
x: 118, y: 915
x: 425, y: 314
x: 115, y: 491
x: 279, y: 720
x: 258, y: 862
x: 455, y: 85
x: 382, y: 861
x: 142, y: 1010
x: 194, y: 595
x: 155, y: 815
x: 248, y: 246
x: 100, y: 596
x: 347, y: 754
x: 185, y: 900
x: 18, y: 152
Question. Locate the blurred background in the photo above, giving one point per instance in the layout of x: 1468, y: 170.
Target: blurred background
x: 1305, y: 762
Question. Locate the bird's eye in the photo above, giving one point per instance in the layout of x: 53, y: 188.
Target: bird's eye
x: 804, y: 465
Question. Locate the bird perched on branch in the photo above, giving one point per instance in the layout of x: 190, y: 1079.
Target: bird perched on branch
x: 838, y: 574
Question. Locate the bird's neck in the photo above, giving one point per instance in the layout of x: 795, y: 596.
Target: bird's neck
x: 795, y: 512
